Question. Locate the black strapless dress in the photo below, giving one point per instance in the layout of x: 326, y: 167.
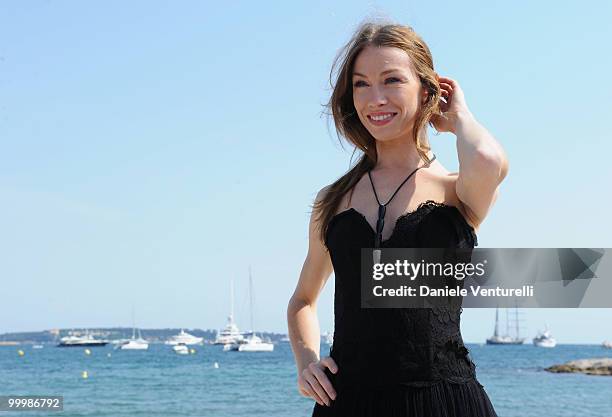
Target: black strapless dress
x: 396, y: 362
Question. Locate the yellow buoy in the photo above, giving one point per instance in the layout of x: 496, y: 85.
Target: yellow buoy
x: 87, y: 352
x: 192, y: 351
x: 20, y: 352
x: 84, y: 375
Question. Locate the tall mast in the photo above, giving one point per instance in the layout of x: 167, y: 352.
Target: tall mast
x: 496, y: 322
x: 133, y: 324
x: 231, y: 301
x: 251, y: 298
x: 516, y: 317
x: 507, y: 324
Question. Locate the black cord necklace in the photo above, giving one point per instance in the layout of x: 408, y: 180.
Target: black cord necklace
x: 382, y: 208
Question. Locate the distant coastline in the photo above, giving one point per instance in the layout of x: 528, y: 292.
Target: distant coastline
x: 115, y: 333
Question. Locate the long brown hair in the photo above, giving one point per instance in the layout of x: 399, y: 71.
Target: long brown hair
x: 345, y: 117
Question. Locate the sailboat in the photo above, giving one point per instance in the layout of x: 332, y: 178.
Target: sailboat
x: 252, y: 343
x: 230, y: 334
x: 505, y: 339
x: 135, y: 343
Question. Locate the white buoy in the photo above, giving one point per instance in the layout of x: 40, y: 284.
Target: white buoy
x: 108, y: 354
x: 20, y: 352
x: 192, y: 351
x: 87, y: 352
x: 84, y: 375
x: 216, y: 365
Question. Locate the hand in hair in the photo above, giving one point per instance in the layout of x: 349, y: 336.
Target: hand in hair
x: 452, y: 106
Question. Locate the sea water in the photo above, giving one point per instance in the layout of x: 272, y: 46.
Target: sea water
x: 158, y: 382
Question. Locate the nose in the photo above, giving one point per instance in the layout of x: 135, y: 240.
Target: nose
x: 376, y: 98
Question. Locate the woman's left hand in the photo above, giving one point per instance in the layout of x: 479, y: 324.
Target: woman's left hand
x: 454, y: 105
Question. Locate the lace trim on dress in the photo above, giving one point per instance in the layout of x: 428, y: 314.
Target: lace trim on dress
x: 409, y: 219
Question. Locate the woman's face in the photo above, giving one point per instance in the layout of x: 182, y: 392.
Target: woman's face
x: 385, y: 86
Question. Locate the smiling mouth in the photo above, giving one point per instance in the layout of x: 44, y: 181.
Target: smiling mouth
x: 380, y: 120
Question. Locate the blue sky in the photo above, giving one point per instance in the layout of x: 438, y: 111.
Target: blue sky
x: 152, y: 151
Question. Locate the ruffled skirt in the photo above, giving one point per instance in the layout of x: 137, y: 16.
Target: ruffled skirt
x: 442, y: 399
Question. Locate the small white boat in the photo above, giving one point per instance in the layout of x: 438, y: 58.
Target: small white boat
x: 135, y: 343
x: 184, y: 338
x: 181, y: 349
x: 37, y: 346
x: 252, y: 343
x: 544, y: 339
x: 607, y: 344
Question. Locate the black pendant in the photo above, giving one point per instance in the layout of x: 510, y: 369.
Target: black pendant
x: 380, y: 225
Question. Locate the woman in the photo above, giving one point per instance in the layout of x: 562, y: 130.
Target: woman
x: 393, y: 362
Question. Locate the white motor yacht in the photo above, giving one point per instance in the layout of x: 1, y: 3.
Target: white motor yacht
x: 544, y: 339
x: 75, y: 339
x: 230, y: 334
x: 184, y: 338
